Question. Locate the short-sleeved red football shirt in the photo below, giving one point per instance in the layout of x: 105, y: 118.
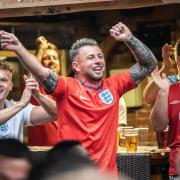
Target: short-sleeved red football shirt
x: 91, y: 116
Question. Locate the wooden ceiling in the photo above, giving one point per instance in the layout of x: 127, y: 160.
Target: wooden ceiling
x: 20, y: 8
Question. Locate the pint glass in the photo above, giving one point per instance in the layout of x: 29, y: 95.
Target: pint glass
x: 122, y: 138
x: 131, y: 138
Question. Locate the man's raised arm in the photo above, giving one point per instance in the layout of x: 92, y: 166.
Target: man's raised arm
x: 146, y: 61
x: 45, y: 76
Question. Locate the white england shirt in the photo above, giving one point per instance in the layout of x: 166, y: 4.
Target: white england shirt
x: 13, y: 128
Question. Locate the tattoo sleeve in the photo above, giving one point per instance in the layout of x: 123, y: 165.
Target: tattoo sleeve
x: 50, y: 83
x: 146, y: 61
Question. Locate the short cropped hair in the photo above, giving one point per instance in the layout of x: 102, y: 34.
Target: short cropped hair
x: 4, y: 65
x: 13, y: 148
x: 67, y: 147
x: 81, y: 43
x: 67, y: 163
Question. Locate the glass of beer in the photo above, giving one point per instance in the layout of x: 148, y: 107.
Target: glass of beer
x: 131, y: 138
x: 122, y: 141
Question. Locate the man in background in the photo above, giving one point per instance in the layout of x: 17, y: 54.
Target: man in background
x: 166, y: 112
x: 122, y: 118
x: 47, y: 134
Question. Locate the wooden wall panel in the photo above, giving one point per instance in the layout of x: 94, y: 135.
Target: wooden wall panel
x: 19, y: 8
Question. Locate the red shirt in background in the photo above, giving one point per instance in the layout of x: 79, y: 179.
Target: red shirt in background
x: 43, y: 135
x: 174, y: 126
x: 90, y: 114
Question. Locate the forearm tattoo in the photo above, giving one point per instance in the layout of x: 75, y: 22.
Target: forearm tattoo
x: 50, y: 83
x: 146, y: 61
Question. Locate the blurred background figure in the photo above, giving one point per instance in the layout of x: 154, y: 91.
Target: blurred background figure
x: 122, y: 118
x: 47, y: 54
x: 15, y: 160
x: 178, y: 165
x: 69, y: 167
x: 64, y: 157
x: 86, y: 173
x: 169, y: 66
x: 168, y: 97
x: 45, y: 135
x: 69, y: 160
x: 122, y: 121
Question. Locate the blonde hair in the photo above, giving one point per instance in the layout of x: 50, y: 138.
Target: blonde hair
x: 41, y: 40
x: 52, y: 46
x: 4, y: 65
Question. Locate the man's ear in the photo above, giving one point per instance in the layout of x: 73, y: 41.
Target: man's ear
x: 75, y: 66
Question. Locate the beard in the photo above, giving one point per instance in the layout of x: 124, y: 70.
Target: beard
x: 94, y: 77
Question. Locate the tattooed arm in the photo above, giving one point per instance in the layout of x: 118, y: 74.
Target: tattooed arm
x: 45, y: 76
x: 146, y: 61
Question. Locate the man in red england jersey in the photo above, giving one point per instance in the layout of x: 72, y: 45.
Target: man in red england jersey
x: 47, y: 134
x: 169, y: 98
x: 87, y: 105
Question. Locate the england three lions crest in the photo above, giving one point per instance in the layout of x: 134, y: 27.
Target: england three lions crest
x: 106, y: 96
x: 4, y: 127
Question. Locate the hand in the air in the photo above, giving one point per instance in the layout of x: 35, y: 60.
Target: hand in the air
x: 9, y: 41
x: 120, y: 32
x: 161, y: 82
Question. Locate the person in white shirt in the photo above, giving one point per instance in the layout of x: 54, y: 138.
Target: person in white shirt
x: 15, y: 115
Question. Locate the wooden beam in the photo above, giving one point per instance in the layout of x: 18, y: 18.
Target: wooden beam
x: 10, y: 54
x: 170, y: 1
x: 63, y: 62
x: 19, y: 8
